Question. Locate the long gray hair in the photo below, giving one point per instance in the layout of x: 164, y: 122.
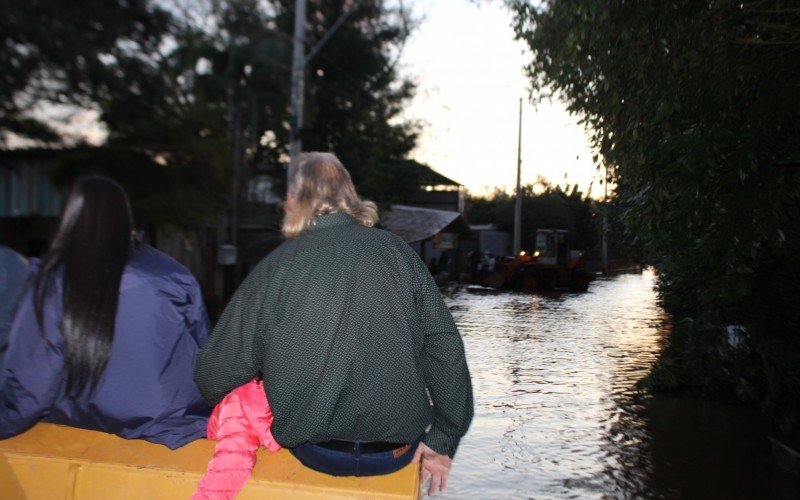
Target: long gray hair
x: 318, y: 185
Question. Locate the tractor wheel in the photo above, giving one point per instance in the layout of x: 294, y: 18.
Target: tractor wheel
x: 548, y: 280
x: 528, y: 282
x: 578, y: 281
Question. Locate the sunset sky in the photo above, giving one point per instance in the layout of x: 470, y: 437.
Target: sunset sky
x: 470, y: 75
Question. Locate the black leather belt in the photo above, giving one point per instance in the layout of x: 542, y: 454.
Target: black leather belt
x: 350, y: 446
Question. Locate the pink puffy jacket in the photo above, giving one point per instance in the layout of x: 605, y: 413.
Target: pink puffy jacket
x: 240, y: 423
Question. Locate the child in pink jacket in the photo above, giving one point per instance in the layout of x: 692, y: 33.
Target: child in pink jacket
x: 240, y: 423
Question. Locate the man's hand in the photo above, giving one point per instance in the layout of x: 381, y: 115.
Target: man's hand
x: 434, y: 466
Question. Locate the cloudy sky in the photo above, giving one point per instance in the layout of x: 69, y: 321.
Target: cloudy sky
x: 470, y: 75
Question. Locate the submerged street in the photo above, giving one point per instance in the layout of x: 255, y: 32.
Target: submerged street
x: 557, y: 414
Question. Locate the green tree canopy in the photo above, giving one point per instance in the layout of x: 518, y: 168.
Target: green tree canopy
x: 694, y: 107
x: 56, y: 52
x: 355, y: 94
x: 203, y: 82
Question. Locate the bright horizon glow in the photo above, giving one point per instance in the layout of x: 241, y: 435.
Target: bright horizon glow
x: 470, y: 75
x: 75, y: 125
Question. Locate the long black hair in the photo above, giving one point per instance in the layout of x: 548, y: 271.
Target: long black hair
x: 89, y: 252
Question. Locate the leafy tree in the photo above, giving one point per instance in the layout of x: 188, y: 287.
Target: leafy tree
x: 55, y: 52
x: 694, y: 108
x: 241, y: 64
x: 193, y: 83
x: 354, y: 92
x: 158, y: 195
x: 121, y: 58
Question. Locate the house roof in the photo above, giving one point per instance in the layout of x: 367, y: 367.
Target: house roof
x: 415, y: 224
x: 426, y: 175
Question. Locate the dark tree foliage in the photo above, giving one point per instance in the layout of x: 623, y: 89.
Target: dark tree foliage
x: 131, y: 60
x: 544, y: 206
x: 355, y: 94
x: 695, y: 109
x: 241, y: 64
x: 57, y: 52
x: 199, y: 83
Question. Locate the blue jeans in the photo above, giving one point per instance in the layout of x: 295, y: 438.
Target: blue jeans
x: 343, y: 463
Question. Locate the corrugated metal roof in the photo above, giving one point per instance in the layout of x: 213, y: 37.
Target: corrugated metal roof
x: 415, y: 224
x: 26, y: 189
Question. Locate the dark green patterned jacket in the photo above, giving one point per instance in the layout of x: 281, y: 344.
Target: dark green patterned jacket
x: 348, y: 329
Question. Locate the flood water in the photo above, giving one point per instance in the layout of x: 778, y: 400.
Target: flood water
x: 557, y: 414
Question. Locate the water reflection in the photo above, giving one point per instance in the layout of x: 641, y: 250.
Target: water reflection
x: 557, y: 413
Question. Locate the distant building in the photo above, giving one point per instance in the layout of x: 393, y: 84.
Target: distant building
x: 489, y: 239
x: 261, y: 189
x: 436, y: 191
x: 432, y: 222
x: 30, y: 203
x: 31, y: 197
x: 436, y: 235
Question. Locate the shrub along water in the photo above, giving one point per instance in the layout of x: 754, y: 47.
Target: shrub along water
x: 694, y: 109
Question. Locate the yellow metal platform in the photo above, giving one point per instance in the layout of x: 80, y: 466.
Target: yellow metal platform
x: 56, y: 462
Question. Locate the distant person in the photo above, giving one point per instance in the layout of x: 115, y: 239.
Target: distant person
x: 475, y: 259
x: 107, y: 335
x: 491, y: 263
x: 485, y: 266
x: 444, y: 261
x: 13, y: 275
x: 362, y: 363
x: 433, y: 267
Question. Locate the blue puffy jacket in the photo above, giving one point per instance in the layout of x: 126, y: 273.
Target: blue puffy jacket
x: 13, y: 275
x: 146, y: 391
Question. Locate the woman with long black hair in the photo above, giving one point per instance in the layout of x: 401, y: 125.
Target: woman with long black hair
x: 107, y: 335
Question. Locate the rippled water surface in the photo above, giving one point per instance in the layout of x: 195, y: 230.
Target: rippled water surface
x: 557, y: 414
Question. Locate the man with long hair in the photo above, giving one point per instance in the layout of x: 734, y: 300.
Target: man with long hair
x: 362, y: 363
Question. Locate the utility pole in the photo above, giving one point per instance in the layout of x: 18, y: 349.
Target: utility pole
x: 605, y: 221
x: 518, y: 203
x: 238, y: 155
x: 226, y: 277
x: 299, y: 61
x: 298, y: 79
